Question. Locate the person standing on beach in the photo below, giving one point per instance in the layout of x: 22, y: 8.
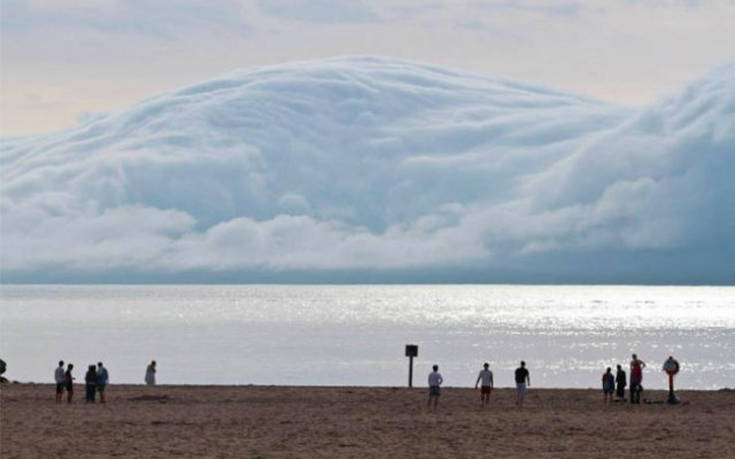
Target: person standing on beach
x: 435, y: 380
x: 486, y: 376
x: 150, y: 374
x: 59, y: 378
x: 608, y: 385
x: 636, y: 378
x: 621, y: 381
x: 523, y: 381
x: 69, y: 382
x: 102, y: 379
x: 90, y: 379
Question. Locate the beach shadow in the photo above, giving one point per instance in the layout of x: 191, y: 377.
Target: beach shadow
x: 150, y: 398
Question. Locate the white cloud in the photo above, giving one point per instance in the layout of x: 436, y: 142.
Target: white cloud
x: 379, y: 164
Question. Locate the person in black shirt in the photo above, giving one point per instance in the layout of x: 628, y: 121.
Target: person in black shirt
x: 621, y: 382
x: 69, y: 382
x: 91, y: 380
x: 523, y: 380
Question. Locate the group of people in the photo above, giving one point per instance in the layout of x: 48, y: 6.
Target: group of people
x: 95, y: 382
x: 616, y: 384
x: 485, y: 381
x: 611, y: 384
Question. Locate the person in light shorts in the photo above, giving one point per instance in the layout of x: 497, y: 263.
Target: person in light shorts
x: 103, y: 378
x: 523, y: 380
x: 486, y: 376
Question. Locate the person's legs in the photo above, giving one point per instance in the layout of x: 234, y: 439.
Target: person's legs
x: 69, y: 394
x: 635, y: 394
x: 101, y: 390
x: 521, y: 391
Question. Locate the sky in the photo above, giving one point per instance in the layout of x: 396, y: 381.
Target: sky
x: 63, y: 60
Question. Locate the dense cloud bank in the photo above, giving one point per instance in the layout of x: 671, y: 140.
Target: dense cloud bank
x: 368, y: 165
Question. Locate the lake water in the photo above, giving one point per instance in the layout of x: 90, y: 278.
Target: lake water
x: 355, y: 335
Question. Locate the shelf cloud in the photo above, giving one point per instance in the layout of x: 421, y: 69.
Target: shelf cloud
x: 373, y: 164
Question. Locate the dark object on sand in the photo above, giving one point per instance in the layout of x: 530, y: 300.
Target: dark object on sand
x: 412, y: 350
x: 150, y: 398
x: 3, y: 367
x: 671, y: 367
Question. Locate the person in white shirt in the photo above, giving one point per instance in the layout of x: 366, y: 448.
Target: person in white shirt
x: 435, y: 380
x: 59, y: 378
x: 486, y: 376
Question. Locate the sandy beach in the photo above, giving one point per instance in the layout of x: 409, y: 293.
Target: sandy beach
x: 277, y: 421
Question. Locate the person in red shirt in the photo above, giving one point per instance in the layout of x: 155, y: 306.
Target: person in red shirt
x: 636, y: 378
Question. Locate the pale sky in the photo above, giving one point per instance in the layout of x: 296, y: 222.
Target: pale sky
x: 62, y: 59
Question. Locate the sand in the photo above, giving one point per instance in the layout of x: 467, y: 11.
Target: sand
x: 270, y: 421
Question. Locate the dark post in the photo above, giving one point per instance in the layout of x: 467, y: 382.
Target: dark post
x: 671, y: 367
x: 412, y: 350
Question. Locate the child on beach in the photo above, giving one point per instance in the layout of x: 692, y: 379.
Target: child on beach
x: 608, y: 385
x: 435, y: 380
x: 486, y: 376
x: 91, y: 382
x: 621, y: 382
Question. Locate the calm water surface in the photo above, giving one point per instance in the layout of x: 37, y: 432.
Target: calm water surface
x: 337, y: 335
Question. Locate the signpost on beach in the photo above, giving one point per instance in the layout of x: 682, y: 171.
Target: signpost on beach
x: 671, y: 367
x: 412, y: 350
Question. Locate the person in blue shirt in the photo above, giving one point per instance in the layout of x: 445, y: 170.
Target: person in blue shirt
x: 102, y: 379
x: 608, y: 385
